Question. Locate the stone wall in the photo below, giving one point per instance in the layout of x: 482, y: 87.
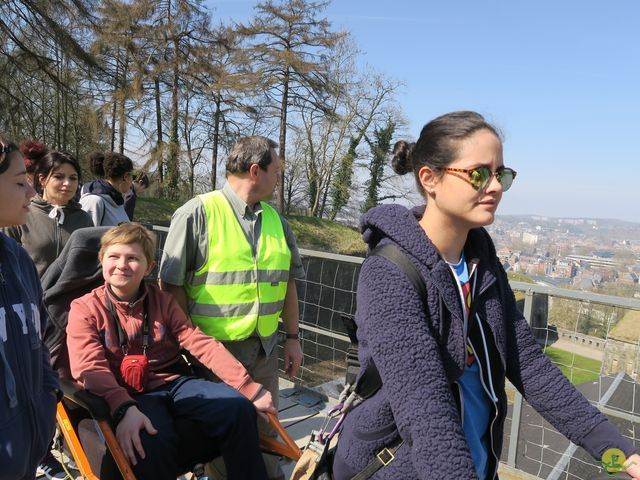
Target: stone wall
x: 621, y: 356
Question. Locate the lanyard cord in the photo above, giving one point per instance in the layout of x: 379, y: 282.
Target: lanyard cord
x: 122, y: 336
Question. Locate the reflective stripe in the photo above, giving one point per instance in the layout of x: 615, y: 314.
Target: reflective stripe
x: 238, y: 277
x: 236, y: 309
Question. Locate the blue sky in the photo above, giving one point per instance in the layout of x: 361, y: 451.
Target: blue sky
x: 560, y: 79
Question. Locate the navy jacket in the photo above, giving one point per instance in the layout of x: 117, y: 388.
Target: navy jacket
x: 28, y: 385
x: 420, y: 354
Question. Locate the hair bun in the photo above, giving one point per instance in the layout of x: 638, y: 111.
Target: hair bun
x: 32, y: 151
x: 96, y: 164
x: 401, y: 161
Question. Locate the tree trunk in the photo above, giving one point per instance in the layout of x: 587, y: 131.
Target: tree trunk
x: 216, y: 142
x: 159, y: 152
x: 172, y: 160
x: 114, y: 108
x: 122, y: 120
x: 282, y: 140
x: 58, y: 107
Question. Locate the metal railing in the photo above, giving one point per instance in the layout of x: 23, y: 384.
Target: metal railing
x: 606, y: 376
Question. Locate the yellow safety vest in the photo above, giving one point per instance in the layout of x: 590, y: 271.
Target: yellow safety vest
x: 235, y: 294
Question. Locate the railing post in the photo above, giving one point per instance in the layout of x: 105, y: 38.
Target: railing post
x: 516, y: 412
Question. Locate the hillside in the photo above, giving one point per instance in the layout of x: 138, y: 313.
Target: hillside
x: 320, y: 234
x: 627, y: 329
x: 155, y: 210
x: 312, y: 233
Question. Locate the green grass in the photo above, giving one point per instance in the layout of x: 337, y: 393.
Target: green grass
x: 519, y: 277
x: 576, y: 368
x: 155, y: 210
x: 311, y: 232
x: 320, y: 234
x: 627, y: 329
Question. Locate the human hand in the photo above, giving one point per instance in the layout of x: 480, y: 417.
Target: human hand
x: 292, y: 357
x: 264, y: 403
x: 128, y: 433
x: 632, y: 466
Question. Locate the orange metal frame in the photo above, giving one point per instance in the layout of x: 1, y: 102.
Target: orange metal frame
x: 287, y: 448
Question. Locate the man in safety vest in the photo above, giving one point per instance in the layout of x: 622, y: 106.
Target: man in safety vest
x: 231, y: 262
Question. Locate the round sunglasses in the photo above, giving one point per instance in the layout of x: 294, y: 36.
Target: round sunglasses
x: 480, y: 178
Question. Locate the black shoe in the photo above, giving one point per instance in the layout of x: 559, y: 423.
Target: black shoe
x: 50, y: 468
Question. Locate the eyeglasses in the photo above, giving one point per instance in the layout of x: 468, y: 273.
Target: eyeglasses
x: 480, y: 177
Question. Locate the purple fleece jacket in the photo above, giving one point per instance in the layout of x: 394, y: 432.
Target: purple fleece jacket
x: 420, y: 354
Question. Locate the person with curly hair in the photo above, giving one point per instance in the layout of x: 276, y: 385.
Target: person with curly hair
x: 103, y: 198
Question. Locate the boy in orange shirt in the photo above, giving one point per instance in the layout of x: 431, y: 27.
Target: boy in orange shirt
x: 110, y: 323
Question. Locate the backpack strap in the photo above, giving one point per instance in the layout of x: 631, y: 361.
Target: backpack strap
x: 370, y: 382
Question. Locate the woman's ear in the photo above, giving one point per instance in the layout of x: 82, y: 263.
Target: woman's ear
x: 428, y: 179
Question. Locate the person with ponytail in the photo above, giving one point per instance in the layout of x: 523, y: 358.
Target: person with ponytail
x: 103, y: 198
x: 443, y: 360
x: 54, y: 214
x: 29, y: 388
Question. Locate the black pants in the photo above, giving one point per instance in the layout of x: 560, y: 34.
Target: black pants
x: 227, y: 417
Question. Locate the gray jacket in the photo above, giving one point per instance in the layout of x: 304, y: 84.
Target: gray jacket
x: 44, y: 237
x: 103, y: 203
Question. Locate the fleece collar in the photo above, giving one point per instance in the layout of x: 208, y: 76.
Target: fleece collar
x: 399, y: 225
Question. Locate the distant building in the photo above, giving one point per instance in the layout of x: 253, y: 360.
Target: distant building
x: 529, y: 238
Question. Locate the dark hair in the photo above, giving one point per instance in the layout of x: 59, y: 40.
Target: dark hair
x: 143, y: 179
x: 51, y: 162
x: 439, y: 143
x: 110, y: 165
x: 248, y: 151
x: 6, y: 148
x: 32, y: 151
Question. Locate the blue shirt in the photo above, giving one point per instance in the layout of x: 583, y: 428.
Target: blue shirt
x: 475, y: 403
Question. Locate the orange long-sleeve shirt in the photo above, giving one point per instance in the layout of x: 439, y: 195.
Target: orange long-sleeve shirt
x: 95, y: 355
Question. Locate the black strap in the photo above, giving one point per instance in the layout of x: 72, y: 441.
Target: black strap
x: 382, y: 459
x: 370, y: 382
x: 122, y: 336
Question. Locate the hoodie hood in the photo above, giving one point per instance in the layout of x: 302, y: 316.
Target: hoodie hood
x: 103, y: 188
x: 40, y: 203
x: 398, y: 224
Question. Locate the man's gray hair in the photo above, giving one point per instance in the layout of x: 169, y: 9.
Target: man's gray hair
x: 250, y: 150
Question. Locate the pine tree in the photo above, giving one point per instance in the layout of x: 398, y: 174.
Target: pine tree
x: 289, y: 42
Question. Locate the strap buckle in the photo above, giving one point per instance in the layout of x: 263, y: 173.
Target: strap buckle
x: 385, y: 456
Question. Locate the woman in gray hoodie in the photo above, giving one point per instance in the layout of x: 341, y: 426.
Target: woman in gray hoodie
x: 53, y: 213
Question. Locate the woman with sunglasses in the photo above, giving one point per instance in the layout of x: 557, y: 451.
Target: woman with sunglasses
x: 103, y: 198
x: 28, y: 385
x: 443, y: 361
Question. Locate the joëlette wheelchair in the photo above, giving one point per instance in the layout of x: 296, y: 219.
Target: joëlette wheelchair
x: 83, y: 418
